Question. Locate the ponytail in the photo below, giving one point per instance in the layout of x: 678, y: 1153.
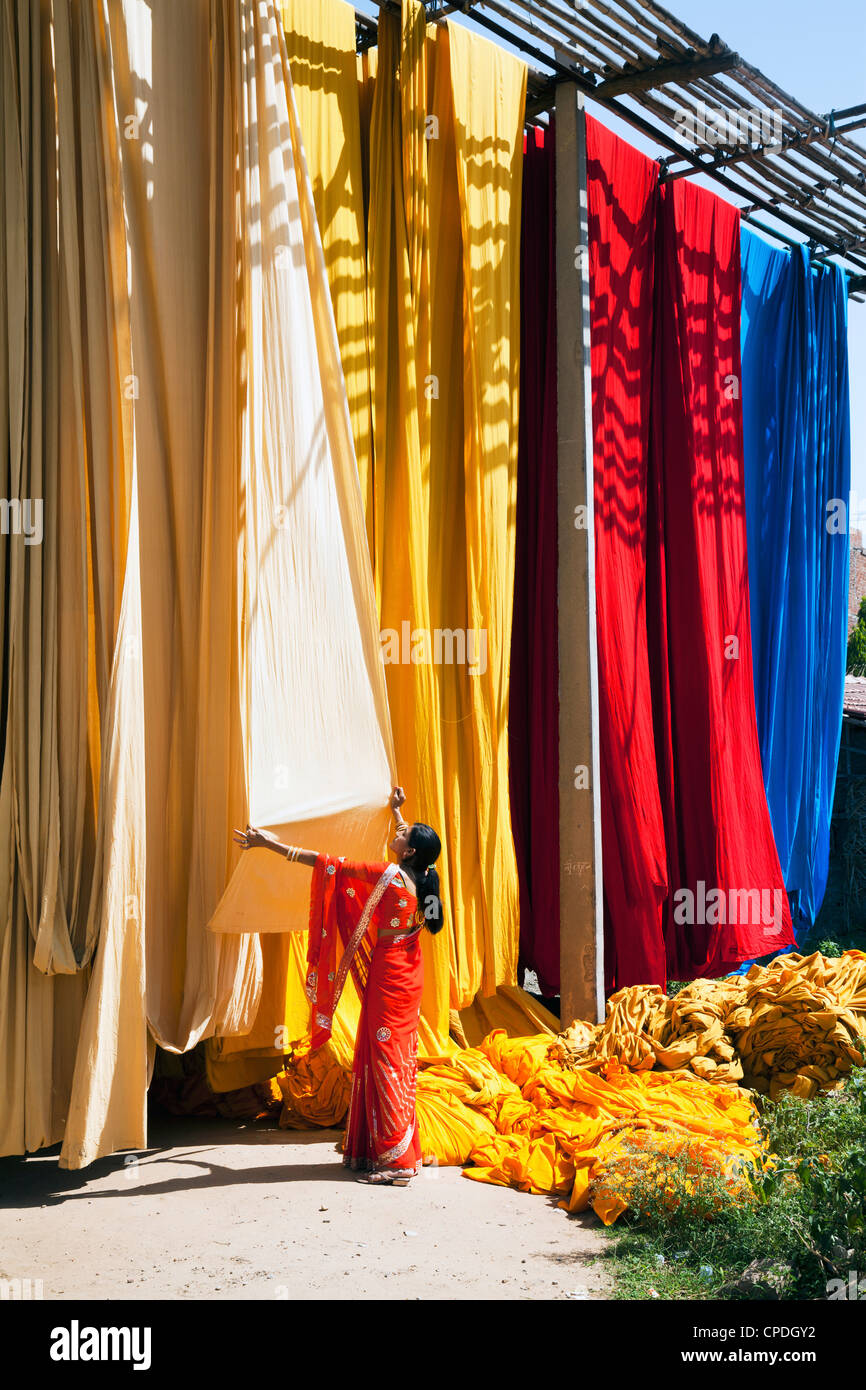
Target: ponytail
x: 427, y: 846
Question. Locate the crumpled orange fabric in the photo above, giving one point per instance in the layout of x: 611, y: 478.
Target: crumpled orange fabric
x: 315, y: 1090
x: 585, y: 1114
x: 573, y: 1133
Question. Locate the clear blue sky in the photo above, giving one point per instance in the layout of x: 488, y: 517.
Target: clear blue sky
x: 817, y: 53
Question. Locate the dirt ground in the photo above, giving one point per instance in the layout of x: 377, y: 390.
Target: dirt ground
x: 221, y: 1209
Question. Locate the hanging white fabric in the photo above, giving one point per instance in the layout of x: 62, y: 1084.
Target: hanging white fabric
x: 317, y: 740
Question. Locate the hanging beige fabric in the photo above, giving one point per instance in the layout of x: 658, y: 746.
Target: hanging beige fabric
x: 177, y: 169
x: 71, y: 799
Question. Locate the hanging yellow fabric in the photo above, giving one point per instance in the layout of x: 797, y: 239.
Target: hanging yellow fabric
x: 489, y: 94
x: 426, y: 334
x: 398, y: 277
x: 444, y: 219
x: 320, y: 43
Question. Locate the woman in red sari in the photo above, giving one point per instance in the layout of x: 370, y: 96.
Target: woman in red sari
x: 367, y: 919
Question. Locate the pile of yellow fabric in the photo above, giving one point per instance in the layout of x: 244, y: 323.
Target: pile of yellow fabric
x: 514, y: 1110
x: 801, y: 1023
x: 791, y: 1025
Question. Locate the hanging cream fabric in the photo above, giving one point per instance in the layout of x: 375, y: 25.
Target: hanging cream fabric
x: 317, y: 741
x: 213, y: 553
x: 120, y: 830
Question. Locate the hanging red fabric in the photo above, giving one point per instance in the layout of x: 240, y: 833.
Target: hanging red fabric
x: 727, y: 902
x: 622, y: 187
x: 533, y: 721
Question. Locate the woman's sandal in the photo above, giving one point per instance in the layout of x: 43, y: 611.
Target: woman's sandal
x: 397, y: 1177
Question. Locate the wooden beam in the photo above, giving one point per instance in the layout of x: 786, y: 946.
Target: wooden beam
x: 643, y: 79
x: 581, y: 935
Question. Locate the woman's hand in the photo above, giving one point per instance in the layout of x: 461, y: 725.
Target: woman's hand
x: 398, y: 796
x: 252, y: 838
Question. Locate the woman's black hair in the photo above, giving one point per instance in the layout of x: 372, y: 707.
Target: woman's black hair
x: 427, y: 847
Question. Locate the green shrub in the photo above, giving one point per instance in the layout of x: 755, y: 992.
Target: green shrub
x: 857, y: 644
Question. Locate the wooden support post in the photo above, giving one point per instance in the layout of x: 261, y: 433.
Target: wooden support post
x: 581, y: 927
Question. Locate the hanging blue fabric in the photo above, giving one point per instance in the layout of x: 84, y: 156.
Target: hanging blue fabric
x: 797, y: 454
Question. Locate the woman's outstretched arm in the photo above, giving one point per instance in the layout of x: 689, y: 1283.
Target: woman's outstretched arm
x: 251, y: 838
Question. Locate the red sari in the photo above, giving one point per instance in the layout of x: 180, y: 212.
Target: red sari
x: 363, y: 919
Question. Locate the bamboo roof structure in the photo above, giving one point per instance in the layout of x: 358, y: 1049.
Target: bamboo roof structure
x: 712, y: 112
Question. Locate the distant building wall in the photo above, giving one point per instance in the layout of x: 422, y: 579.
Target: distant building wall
x: 857, y: 584
x: 844, y: 907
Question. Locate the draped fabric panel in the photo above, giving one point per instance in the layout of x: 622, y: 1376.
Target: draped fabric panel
x: 489, y: 93
x: 442, y: 252
x: 797, y: 469
x: 623, y: 199
x: 318, y: 770
x: 264, y: 895
x: 533, y: 723
x: 398, y: 308
x: 72, y: 1025
x: 181, y: 431
x: 161, y: 65
x: 717, y: 825
x: 438, y: 564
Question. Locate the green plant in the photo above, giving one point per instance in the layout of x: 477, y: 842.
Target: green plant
x: 828, y: 948
x: 857, y: 643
